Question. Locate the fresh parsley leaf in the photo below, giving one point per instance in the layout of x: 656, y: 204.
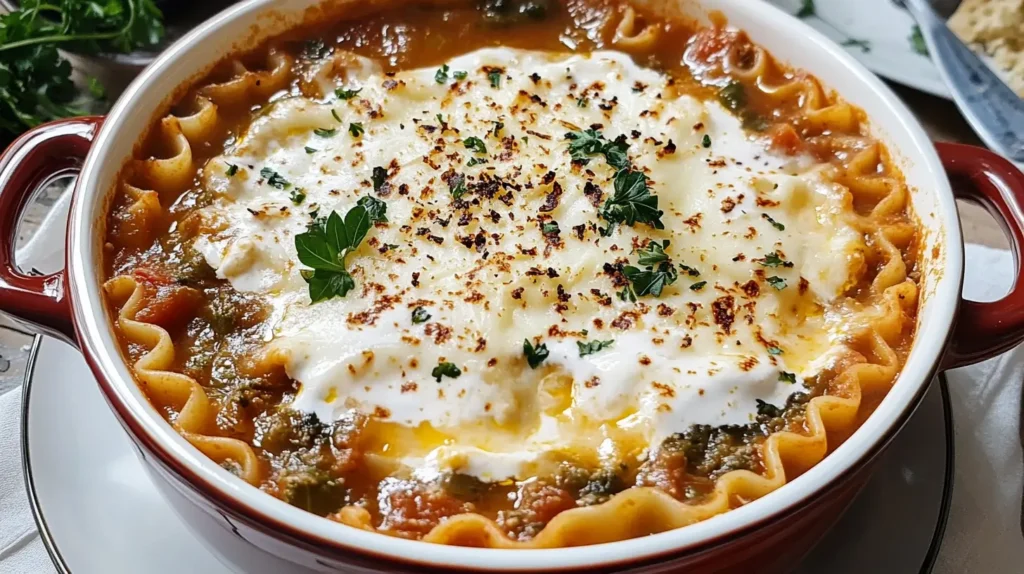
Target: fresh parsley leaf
x: 806, y: 9
x: 310, y: 150
x: 96, y: 89
x: 476, y: 161
x: 457, y: 185
x: 420, y: 315
x: 495, y: 78
x: 232, y: 170
x: 917, y: 42
x: 346, y: 94
x: 325, y: 285
x: 379, y: 176
x: 698, y: 285
x: 377, y: 209
x: 650, y: 281
x: 787, y: 377
x: 441, y: 76
x: 778, y: 282
x: 653, y: 254
x: 632, y: 202
x: 274, y: 179
x: 775, y: 351
x: 534, y: 355
x: 733, y: 96
x: 774, y: 223
x: 356, y: 129
x: 550, y: 227
x: 445, y: 369
x: 460, y: 75
x: 706, y: 142
x: 773, y: 260
x: 591, y: 347
x: 297, y: 196
x: 476, y: 144
x: 586, y: 143
x: 324, y: 247
x: 325, y: 133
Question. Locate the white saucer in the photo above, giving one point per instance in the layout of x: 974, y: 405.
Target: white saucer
x: 97, y: 510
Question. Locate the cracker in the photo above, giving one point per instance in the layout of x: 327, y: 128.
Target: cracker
x: 1010, y: 60
x: 987, y: 20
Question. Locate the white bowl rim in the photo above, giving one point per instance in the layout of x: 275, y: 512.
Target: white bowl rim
x: 101, y: 349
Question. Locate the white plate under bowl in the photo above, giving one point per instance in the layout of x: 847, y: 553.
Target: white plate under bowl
x: 98, y: 512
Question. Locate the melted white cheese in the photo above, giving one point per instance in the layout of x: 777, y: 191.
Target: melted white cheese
x: 671, y: 365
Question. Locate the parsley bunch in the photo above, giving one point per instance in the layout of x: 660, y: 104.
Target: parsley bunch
x: 35, y: 80
x: 328, y: 241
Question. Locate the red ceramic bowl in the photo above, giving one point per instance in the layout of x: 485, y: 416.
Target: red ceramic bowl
x: 259, y: 533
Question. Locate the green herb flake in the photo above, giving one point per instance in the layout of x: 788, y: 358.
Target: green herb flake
x: 476, y: 144
x: 864, y: 45
x: 310, y: 150
x: 495, y: 78
x: 632, y: 202
x: 773, y: 260
x: 591, y: 347
x: 550, y: 227
x: 774, y: 351
x: 777, y: 282
x: 420, y: 315
x: 232, y: 170
x: 706, y: 142
x: 767, y: 409
x: 460, y: 75
x: 917, y: 43
x: 346, y: 94
x: 806, y: 9
x: 337, y: 118
x: 497, y: 129
x: 325, y: 132
x: 297, y: 196
x: 274, y: 179
x: 379, y: 176
x: 689, y: 270
x: 787, y: 377
x: 698, y: 285
x: 650, y: 281
x: 733, y: 96
x: 583, y: 144
x: 653, y: 253
x: 534, y: 355
x: 96, y: 89
x: 441, y: 76
x: 356, y: 129
x: 582, y: 102
x: 457, y: 185
x: 375, y: 208
x: 774, y: 223
x: 445, y: 369
x: 476, y: 161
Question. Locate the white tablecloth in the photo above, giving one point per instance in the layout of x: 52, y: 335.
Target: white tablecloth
x: 984, y: 530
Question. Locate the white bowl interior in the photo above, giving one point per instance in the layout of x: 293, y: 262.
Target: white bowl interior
x: 787, y: 38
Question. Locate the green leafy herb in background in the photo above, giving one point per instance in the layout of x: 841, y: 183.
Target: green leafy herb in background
x: 35, y: 79
x: 917, y: 42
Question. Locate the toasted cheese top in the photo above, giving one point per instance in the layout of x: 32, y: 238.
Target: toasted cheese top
x: 760, y: 242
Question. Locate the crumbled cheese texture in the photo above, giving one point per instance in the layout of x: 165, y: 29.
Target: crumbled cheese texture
x: 491, y: 270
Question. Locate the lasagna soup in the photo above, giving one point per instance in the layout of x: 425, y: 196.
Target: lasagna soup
x: 513, y: 273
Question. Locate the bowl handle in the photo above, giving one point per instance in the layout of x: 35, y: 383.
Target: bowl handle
x: 984, y: 330
x: 32, y: 159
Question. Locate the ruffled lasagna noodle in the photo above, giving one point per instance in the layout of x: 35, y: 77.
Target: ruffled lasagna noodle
x: 163, y: 291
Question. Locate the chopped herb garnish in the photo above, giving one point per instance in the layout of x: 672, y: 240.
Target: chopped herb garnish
x: 591, y: 347
x: 768, y: 409
x: 377, y: 209
x: 582, y: 102
x: 864, y: 45
x: 787, y: 377
x: 778, y: 282
x: 460, y: 75
x: 774, y: 223
x: 297, y: 196
x: 773, y: 260
x: 534, y: 355
x: 311, y: 150
x: 917, y: 42
x: 632, y: 202
x: 476, y: 144
x: 324, y: 247
x: 806, y: 9
x: 356, y: 129
x: 649, y: 281
x: 689, y: 270
x: 586, y: 143
x: 274, y: 179
x: 379, y: 175
x: 698, y: 285
x: 441, y: 76
x: 390, y: 246
x: 457, y: 185
x: 325, y: 133
x: 337, y: 118
x: 420, y: 315
x: 476, y: 161
x: 733, y: 96
x: 549, y: 227
x: 232, y: 170
x: 774, y: 351
x: 346, y: 94
x: 497, y: 128
x: 495, y: 78
x: 445, y: 369
x: 654, y: 253
x: 706, y: 142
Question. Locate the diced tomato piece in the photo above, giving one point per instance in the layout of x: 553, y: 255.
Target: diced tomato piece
x: 785, y: 139
x: 710, y: 45
x: 411, y: 509
x: 166, y: 303
x: 539, y: 502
